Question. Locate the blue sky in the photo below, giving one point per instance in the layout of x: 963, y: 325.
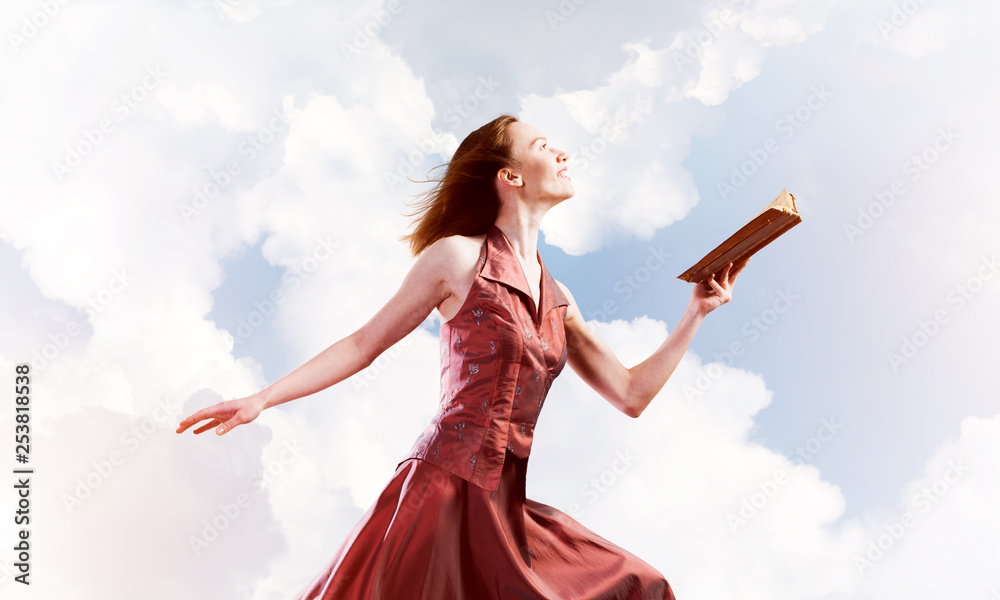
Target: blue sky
x: 878, y: 117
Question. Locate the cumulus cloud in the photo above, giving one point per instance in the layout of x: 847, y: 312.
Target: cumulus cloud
x: 686, y: 488
x: 138, y: 172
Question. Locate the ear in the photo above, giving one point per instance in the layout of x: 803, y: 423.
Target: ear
x: 509, y: 177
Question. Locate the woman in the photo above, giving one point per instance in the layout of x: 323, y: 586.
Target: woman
x: 453, y: 521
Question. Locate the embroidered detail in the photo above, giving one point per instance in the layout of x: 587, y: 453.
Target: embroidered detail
x: 458, y: 343
x: 537, y: 371
x: 493, y: 347
x: 472, y: 462
x: 517, y: 392
x: 527, y: 331
x: 478, y: 312
x: 473, y: 368
x: 483, y: 407
x: 524, y: 426
x: 510, y: 447
x: 482, y: 259
x: 437, y: 448
x: 460, y: 426
x: 545, y: 346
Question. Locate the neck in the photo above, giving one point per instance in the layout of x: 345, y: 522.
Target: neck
x: 519, y: 222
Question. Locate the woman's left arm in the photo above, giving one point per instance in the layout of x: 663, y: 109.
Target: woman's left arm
x: 631, y: 390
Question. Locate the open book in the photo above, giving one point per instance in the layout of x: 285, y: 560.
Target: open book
x: 778, y: 217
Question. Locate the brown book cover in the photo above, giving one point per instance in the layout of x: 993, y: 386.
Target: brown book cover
x: 778, y: 217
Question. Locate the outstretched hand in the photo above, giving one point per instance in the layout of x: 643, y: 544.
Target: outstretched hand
x: 225, y: 415
x: 714, y: 292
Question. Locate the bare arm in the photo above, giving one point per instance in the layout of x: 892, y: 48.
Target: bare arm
x: 423, y: 288
x: 631, y: 390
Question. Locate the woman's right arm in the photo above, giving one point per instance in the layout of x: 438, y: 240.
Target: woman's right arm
x: 424, y: 287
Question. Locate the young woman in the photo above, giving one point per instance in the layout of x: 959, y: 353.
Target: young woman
x: 453, y: 521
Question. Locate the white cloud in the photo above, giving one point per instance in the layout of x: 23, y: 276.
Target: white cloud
x: 321, y: 178
x: 722, y: 516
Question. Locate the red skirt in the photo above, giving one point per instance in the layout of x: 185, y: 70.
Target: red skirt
x: 431, y: 535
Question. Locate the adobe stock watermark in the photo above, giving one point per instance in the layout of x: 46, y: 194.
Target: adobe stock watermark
x: 754, y: 503
x: 630, y: 283
x: 753, y: 329
x: 408, y: 162
x: 896, y: 529
x: 367, y: 33
x: 957, y: 298
x: 787, y: 126
x: 914, y: 167
x: 93, y: 307
x: 34, y: 23
x: 562, y: 12
x: 292, y: 278
x: 610, y: 132
x: 596, y: 486
x: 693, y: 45
x: 229, y: 512
x: 121, y: 108
x: 163, y: 419
x: 247, y: 151
x: 806, y: 451
x: 367, y: 376
x: 900, y: 15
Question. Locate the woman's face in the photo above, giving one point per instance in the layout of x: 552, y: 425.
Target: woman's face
x: 542, y: 173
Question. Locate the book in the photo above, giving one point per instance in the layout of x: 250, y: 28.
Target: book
x: 777, y: 217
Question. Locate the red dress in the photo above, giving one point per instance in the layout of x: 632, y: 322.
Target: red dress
x: 453, y: 521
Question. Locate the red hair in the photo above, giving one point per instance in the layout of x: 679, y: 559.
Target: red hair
x: 465, y: 201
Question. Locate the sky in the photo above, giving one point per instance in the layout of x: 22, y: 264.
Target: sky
x: 197, y: 197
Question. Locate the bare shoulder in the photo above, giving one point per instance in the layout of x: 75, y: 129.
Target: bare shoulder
x: 569, y: 295
x: 455, y: 253
x: 573, y: 315
x: 454, y: 260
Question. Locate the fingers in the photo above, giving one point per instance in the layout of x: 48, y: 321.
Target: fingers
x: 223, y: 428
x: 208, y: 426
x: 716, y: 286
x: 201, y: 415
x: 216, y: 412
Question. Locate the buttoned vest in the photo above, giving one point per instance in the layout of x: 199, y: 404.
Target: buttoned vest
x: 499, y: 355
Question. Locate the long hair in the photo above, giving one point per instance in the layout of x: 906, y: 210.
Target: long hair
x: 465, y: 200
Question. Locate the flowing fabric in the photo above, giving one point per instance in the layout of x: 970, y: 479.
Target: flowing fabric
x: 453, y: 523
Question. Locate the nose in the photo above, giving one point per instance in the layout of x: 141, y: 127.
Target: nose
x: 561, y: 156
